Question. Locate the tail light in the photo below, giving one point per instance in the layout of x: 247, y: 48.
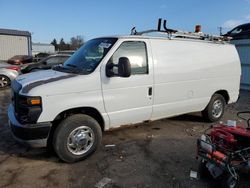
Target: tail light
x: 16, y: 68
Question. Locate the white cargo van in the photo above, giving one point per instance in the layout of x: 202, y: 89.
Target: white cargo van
x: 115, y: 81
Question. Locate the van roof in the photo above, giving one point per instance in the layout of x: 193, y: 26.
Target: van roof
x: 163, y: 38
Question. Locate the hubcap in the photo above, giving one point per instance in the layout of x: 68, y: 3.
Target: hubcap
x: 217, y: 108
x: 80, y: 140
x: 3, y: 82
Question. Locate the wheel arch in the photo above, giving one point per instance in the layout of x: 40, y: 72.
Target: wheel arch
x: 225, y: 94
x: 208, y: 111
x: 92, y: 112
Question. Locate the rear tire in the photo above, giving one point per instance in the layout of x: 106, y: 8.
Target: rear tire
x: 76, y: 138
x: 4, y: 81
x: 215, y: 108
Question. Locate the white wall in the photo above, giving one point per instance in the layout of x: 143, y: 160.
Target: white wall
x: 13, y: 45
x: 44, y: 48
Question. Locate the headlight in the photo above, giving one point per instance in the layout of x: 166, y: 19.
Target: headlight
x: 30, y: 101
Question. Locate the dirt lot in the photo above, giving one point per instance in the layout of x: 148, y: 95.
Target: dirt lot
x: 156, y: 154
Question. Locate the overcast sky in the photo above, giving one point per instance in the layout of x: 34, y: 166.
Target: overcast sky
x: 47, y: 19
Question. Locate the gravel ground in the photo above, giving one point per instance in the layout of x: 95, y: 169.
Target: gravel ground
x: 155, y: 154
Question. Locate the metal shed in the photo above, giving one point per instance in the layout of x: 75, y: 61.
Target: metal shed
x: 14, y: 42
x: 243, y: 48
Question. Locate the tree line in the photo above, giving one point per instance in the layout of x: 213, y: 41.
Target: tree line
x: 74, y: 44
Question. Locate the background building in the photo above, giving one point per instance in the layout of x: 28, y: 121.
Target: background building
x: 243, y: 48
x: 241, y: 40
x: 14, y: 42
x: 42, y: 48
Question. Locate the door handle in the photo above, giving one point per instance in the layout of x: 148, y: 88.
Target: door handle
x: 150, y: 91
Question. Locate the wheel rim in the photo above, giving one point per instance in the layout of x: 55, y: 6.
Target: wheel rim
x: 3, y: 81
x: 217, y: 108
x: 80, y: 140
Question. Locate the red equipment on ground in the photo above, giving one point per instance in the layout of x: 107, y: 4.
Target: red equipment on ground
x: 224, y: 150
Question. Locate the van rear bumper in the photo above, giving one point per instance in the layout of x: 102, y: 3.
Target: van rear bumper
x: 34, y: 135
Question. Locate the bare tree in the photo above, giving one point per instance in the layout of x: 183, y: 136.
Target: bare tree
x: 76, y: 42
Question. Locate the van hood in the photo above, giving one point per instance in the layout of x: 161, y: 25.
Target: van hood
x: 34, y: 79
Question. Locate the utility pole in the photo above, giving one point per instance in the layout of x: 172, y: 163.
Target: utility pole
x: 220, y: 30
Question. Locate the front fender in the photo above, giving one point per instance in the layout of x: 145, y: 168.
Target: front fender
x: 54, y: 105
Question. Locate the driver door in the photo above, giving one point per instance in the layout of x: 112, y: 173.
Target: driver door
x: 129, y: 100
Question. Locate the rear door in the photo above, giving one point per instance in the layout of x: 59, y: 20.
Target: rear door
x: 129, y: 100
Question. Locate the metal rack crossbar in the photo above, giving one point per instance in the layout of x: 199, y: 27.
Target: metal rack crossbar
x: 172, y: 33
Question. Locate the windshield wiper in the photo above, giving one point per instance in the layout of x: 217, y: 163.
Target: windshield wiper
x: 74, y: 69
x: 64, y: 69
x: 70, y: 65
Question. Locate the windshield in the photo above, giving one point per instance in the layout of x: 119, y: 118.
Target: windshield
x: 88, y: 57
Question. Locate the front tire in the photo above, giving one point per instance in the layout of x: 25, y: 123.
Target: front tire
x: 76, y: 138
x: 215, y: 108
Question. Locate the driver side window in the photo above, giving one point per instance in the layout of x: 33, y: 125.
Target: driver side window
x: 135, y: 51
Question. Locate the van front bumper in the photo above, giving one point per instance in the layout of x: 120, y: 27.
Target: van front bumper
x: 34, y: 135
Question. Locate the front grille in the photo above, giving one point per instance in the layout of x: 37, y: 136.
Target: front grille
x: 16, y: 87
x: 21, y: 111
x: 24, y: 113
x: 15, y: 100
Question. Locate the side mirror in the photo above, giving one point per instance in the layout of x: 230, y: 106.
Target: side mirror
x: 123, y: 68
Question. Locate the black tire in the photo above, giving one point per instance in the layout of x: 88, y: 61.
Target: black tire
x: 210, y: 113
x: 203, y: 171
x: 228, y: 181
x: 62, y: 139
x: 4, y: 81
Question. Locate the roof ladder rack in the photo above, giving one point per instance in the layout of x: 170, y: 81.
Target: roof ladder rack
x: 172, y: 33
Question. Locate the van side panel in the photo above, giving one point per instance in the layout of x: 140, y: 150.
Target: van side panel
x: 188, y: 73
